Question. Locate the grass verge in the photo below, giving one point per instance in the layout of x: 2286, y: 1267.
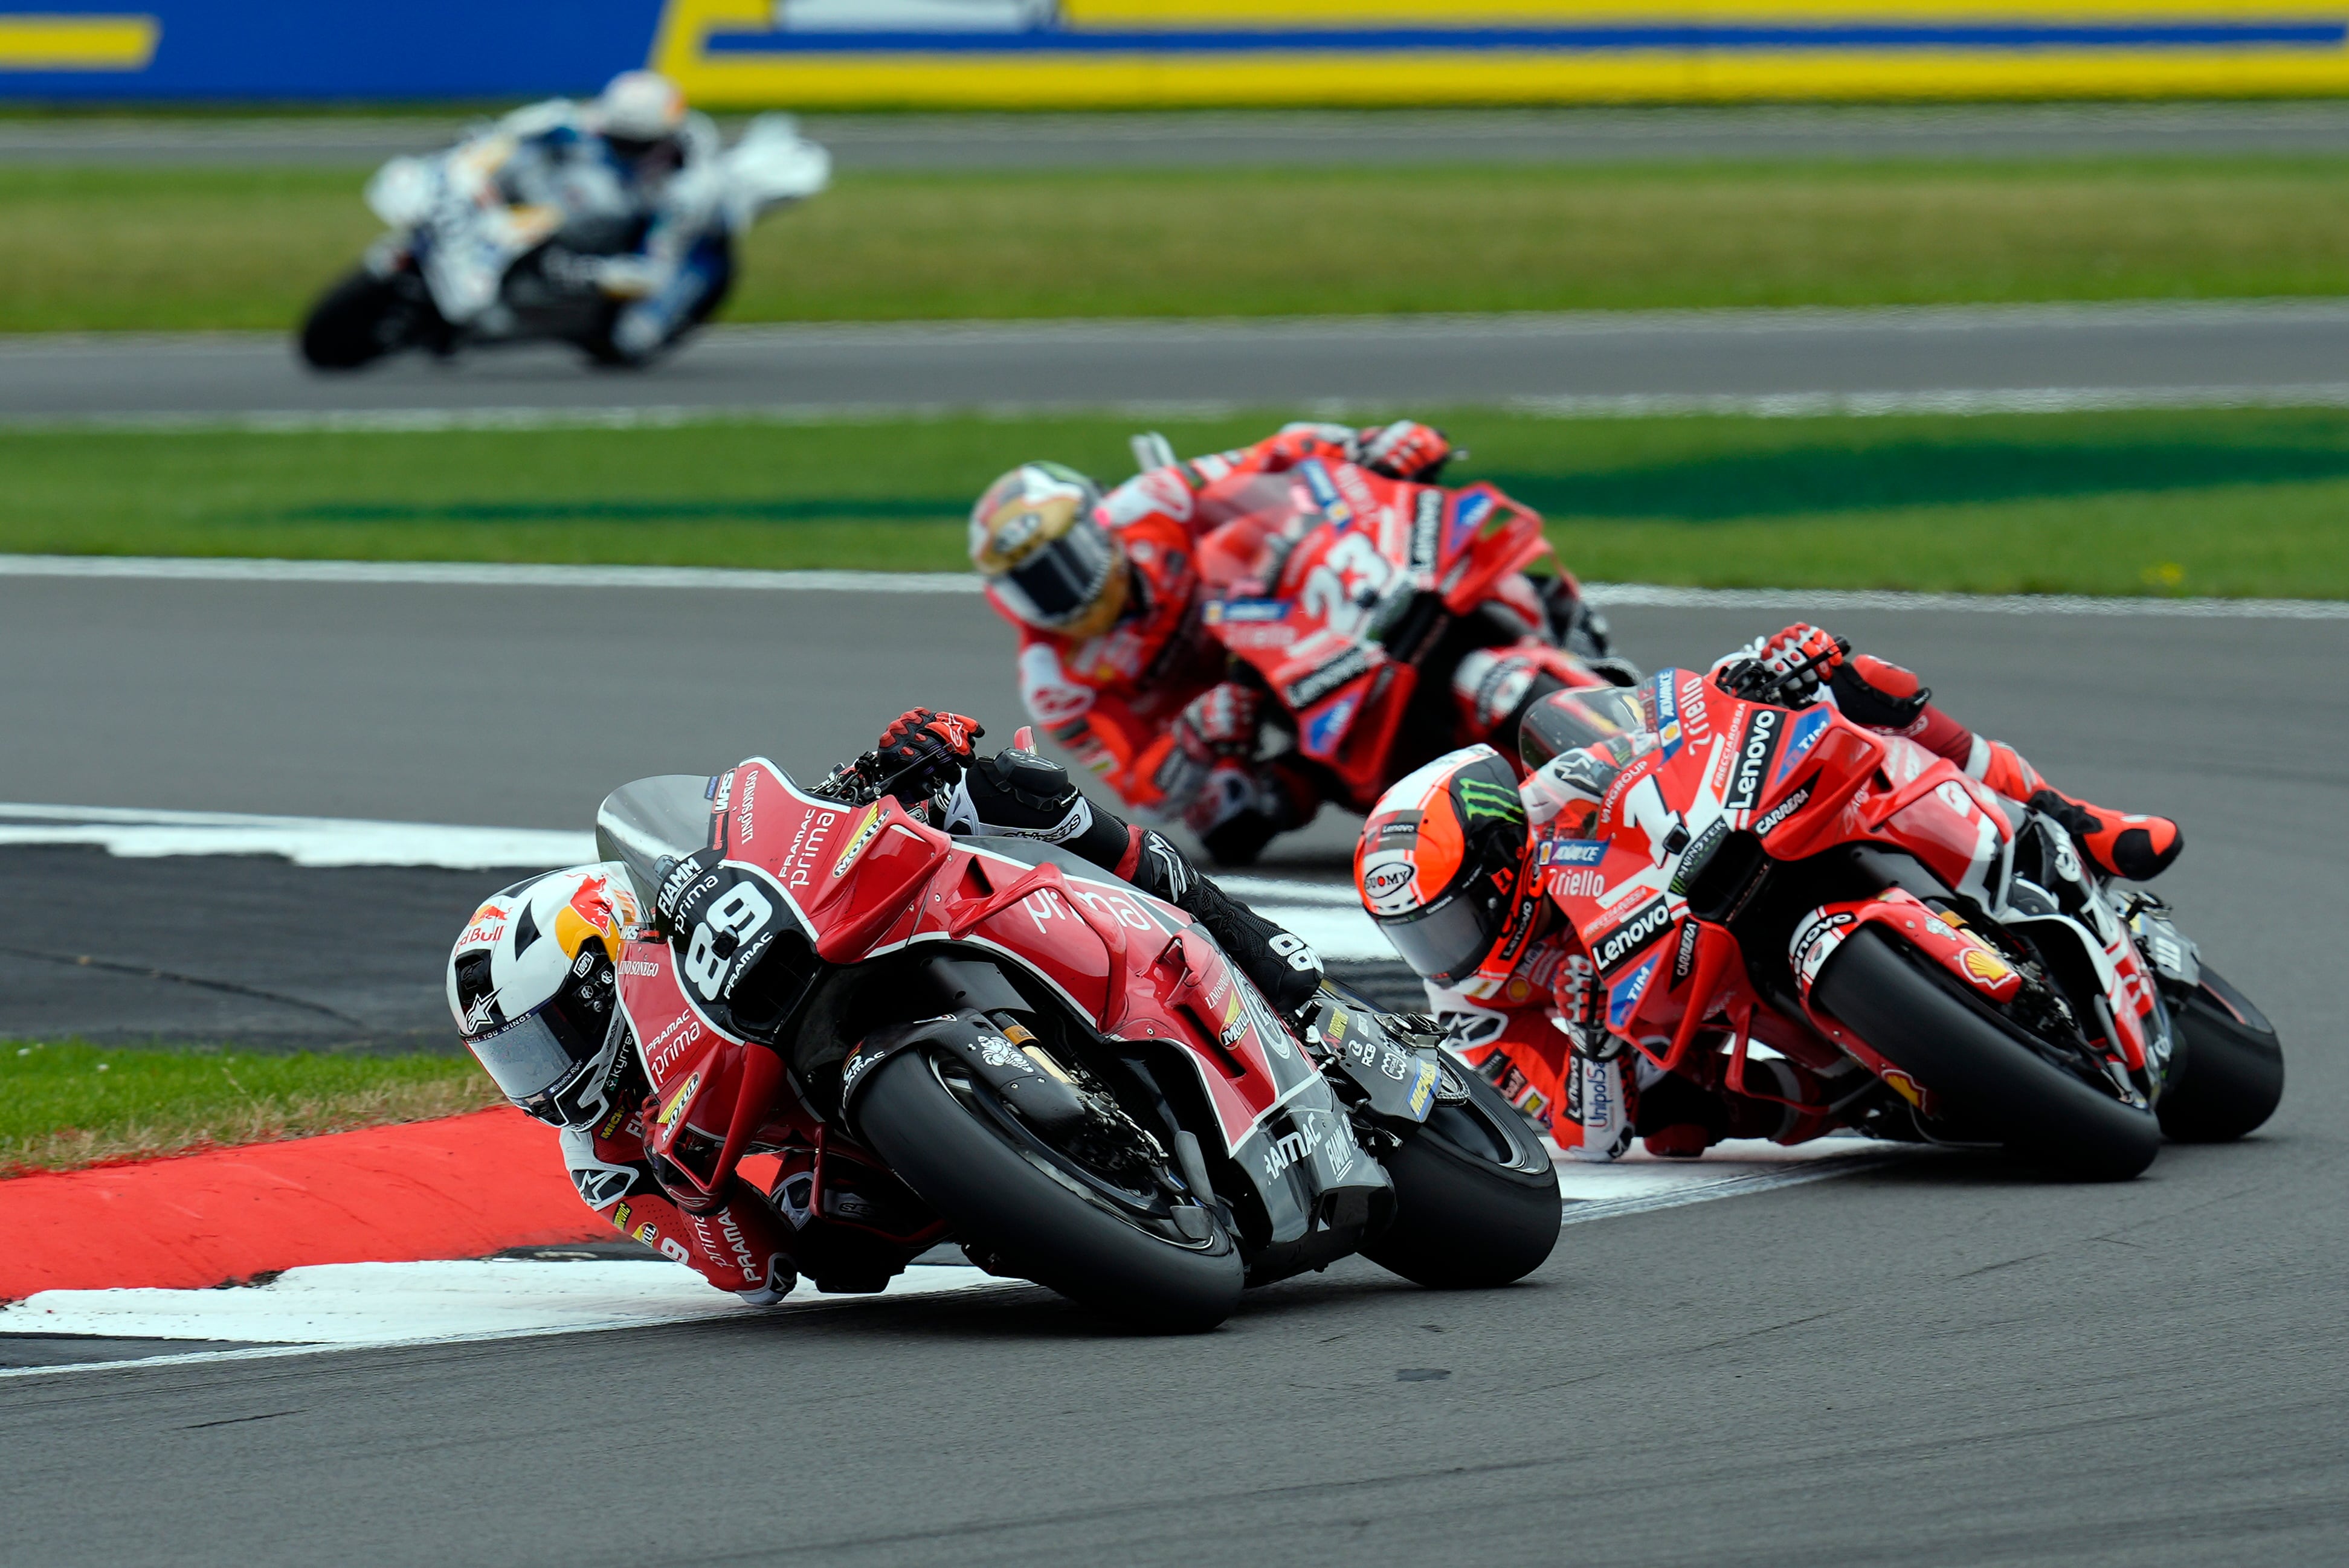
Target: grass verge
x: 65, y: 1104
x: 2229, y: 502
x: 183, y: 248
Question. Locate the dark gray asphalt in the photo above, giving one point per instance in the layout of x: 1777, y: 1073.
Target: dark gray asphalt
x: 1951, y: 1364
x: 1428, y: 361
x: 996, y: 141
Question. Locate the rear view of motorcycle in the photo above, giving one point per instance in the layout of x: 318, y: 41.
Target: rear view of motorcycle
x: 1939, y: 962
x: 994, y: 1042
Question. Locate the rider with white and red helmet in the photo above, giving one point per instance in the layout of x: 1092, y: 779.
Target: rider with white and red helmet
x: 532, y: 985
x: 1449, y: 866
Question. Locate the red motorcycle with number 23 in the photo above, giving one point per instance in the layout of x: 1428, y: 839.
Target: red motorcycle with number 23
x: 1756, y: 875
x: 993, y: 1042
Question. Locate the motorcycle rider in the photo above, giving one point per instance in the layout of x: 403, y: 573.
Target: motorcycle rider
x: 1106, y: 592
x: 634, y: 156
x: 532, y: 986
x: 1448, y: 866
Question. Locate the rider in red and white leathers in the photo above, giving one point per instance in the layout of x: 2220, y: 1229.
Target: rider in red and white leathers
x: 1447, y: 864
x: 1106, y: 592
x: 532, y: 984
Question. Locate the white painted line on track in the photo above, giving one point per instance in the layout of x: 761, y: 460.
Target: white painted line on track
x: 492, y: 574
x: 305, y: 841
x: 345, y: 1306
x: 1971, y: 401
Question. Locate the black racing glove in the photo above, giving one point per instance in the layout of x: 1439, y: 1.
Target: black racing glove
x: 1017, y: 794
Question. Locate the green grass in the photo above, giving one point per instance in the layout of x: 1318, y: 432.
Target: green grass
x: 68, y: 1103
x: 2219, y: 502
x: 114, y: 248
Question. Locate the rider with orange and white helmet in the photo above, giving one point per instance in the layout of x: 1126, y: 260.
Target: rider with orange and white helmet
x: 1450, y: 865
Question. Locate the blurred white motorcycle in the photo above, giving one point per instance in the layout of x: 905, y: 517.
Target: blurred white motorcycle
x: 467, y: 264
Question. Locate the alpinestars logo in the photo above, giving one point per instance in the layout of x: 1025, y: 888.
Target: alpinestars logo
x: 1626, y: 941
x: 1753, y: 748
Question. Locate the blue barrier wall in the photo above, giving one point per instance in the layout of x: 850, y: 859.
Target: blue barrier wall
x: 319, y: 49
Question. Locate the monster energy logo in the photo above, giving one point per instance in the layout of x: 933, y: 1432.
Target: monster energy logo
x: 1480, y: 798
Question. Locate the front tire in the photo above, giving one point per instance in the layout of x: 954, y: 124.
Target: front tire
x: 359, y: 320
x: 2233, y: 1075
x: 991, y: 1186
x: 1476, y: 1200
x: 1979, y: 1066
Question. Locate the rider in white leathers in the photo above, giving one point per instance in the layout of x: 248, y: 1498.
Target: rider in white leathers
x: 635, y: 153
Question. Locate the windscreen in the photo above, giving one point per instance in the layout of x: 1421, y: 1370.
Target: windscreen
x: 648, y: 825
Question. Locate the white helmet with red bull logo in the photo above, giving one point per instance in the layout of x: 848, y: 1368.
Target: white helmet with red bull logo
x: 532, y: 987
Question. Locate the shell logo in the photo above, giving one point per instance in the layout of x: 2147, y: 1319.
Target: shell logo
x: 1985, y: 969
x: 1907, y: 1088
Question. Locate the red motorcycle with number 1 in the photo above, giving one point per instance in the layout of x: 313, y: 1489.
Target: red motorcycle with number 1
x: 1756, y: 875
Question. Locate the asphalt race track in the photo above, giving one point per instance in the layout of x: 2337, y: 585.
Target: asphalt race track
x: 2021, y: 357
x: 1943, y: 1362
x: 1307, y: 139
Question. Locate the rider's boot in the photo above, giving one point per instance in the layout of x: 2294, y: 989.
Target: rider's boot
x: 1020, y: 793
x: 2129, y: 845
x: 1883, y: 695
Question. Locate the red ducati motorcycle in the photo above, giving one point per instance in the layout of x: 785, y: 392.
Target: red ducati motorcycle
x: 1351, y: 598
x: 993, y: 1042
x: 1758, y: 876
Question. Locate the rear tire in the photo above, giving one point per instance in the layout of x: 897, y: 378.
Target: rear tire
x: 998, y: 1200
x: 2233, y: 1076
x: 1976, y: 1062
x: 1476, y: 1200
x: 356, y: 322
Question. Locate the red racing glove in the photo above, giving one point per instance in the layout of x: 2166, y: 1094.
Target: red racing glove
x: 922, y: 749
x: 1404, y: 449
x: 1220, y: 722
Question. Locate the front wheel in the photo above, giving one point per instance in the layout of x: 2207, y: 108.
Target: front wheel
x: 1476, y: 1200
x: 362, y: 318
x: 1095, y: 1238
x: 2232, y: 1077
x: 1979, y: 1064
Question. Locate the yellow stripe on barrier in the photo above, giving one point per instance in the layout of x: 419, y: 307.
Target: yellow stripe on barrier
x: 1115, y: 82
x: 58, y: 43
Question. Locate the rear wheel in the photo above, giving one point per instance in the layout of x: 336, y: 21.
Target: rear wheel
x: 1990, y: 1075
x: 1092, y: 1235
x: 2232, y: 1078
x: 362, y: 318
x: 1476, y: 1200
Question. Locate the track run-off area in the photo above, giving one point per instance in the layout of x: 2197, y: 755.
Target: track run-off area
x: 1935, y: 1359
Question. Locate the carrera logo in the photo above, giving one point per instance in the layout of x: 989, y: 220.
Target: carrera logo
x: 1685, y: 959
x: 1753, y: 748
x: 1781, y: 811
x: 1318, y: 683
x: 1626, y: 941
